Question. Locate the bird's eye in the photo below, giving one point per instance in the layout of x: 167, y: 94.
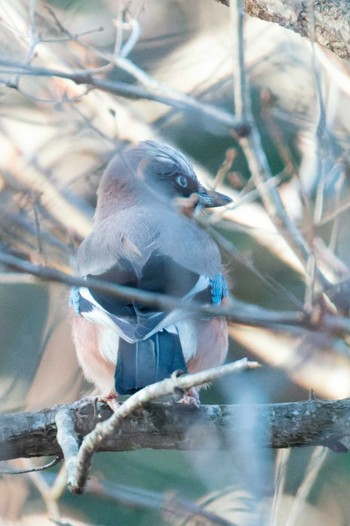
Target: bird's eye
x: 181, y: 181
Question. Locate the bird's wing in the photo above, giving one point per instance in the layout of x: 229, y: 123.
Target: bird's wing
x: 160, y: 254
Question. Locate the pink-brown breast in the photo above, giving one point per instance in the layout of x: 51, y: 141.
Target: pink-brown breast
x: 96, y: 367
x: 212, y: 345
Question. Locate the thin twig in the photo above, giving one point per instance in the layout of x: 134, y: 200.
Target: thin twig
x: 124, y: 89
x: 253, y: 150
x: 317, y: 460
x: 133, y: 37
x: 310, y: 283
x: 34, y: 37
x: 225, y: 167
x: 241, y: 88
x: 68, y: 440
x: 34, y: 469
x: 134, y: 402
x: 339, y: 187
x: 236, y: 312
x: 120, y: 60
x: 160, y: 301
x: 319, y: 173
x: 331, y: 216
x: 170, y: 505
x: 282, y: 459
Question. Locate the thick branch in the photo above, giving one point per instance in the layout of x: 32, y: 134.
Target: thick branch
x: 175, y: 426
x: 332, y: 22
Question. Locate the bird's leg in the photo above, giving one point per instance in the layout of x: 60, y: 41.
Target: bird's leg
x: 110, y: 398
x: 191, y: 397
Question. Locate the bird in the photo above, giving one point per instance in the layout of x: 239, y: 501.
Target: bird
x: 145, y: 235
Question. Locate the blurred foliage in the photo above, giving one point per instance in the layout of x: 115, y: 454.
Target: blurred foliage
x: 57, y: 136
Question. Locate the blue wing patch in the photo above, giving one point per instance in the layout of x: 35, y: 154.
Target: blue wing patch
x: 218, y: 288
x: 79, y: 303
x: 74, y: 299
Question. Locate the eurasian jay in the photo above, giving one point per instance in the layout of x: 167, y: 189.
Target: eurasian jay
x: 142, y: 239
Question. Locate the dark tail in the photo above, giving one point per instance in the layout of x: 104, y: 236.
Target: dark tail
x: 146, y: 362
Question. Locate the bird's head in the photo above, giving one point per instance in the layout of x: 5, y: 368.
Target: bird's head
x: 150, y: 166
x: 168, y: 173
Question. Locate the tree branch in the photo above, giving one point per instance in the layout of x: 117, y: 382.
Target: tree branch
x: 332, y: 22
x: 165, y: 387
x: 176, y: 426
x: 253, y: 149
x: 174, y: 99
x: 252, y: 315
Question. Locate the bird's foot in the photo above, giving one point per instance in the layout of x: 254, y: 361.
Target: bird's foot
x: 191, y: 397
x: 111, y: 399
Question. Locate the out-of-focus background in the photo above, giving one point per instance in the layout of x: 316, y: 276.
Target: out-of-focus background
x: 57, y: 135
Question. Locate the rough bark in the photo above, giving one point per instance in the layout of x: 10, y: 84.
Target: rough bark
x: 174, y: 426
x: 331, y: 19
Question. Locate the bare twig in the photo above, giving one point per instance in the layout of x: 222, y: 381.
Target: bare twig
x: 67, y: 439
x: 282, y: 459
x: 171, y: 505
x: 236, y: 312
x: 225, y: 167
x: 166, y: 387
x: 161, y: 301
x: 124, y: 89
x: 44, y: 488
x: 33, y: 469
x: 319, y: 175
x: 254, y: 151
x: 317, y: 460
x: 332, y: 215
x: 241, y: 88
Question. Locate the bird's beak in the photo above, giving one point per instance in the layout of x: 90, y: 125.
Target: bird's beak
x: 211, y: 198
